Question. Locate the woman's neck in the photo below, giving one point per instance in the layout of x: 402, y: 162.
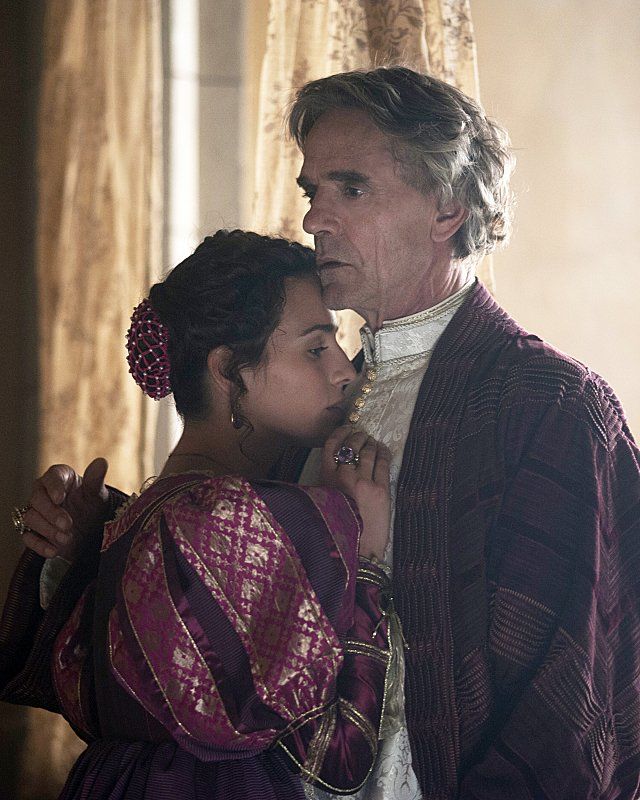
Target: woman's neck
x: 221, y: 451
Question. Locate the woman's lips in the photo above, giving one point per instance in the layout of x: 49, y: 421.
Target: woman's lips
x: 339, y: 409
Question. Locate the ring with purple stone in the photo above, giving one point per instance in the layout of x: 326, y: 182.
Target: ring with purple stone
x: 346, y: 455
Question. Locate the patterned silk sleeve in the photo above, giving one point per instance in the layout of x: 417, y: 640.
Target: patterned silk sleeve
x: 218, y: 633
x: 337, y: 749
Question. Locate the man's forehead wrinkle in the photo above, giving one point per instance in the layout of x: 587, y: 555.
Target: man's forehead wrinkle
x: 344, y: 142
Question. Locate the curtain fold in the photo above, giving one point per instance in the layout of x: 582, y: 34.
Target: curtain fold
x: 308, y: 39
x: 99, y: 244
x: 99, y: 230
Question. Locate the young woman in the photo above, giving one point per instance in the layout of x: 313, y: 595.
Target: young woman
x: 235, y: 633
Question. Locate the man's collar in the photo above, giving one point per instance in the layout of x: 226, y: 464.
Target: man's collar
x: 412, y: 335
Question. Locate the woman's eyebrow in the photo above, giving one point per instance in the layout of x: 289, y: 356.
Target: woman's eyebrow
x: 325, y: 328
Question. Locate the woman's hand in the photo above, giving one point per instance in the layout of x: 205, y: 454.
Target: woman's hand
x: 366, y: 480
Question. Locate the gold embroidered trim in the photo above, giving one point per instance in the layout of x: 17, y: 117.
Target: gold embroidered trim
x: 302, y: 720
x: 358, y: 648
x: 372, y: 576
x: 309, y: 778
x: 318, y: 745
x: 351, y: 713
x: 364, y: 725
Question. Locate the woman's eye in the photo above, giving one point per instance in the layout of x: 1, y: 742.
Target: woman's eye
x: 315, y: 351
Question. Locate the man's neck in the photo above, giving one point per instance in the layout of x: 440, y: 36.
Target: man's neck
x: 418, y: 303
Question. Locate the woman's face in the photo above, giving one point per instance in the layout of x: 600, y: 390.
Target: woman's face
x: 296, y: 395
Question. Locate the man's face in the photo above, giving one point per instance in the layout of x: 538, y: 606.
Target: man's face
x: 373, y: 232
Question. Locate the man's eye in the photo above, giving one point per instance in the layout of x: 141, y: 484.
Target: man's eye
x: 353, y: 191
x: 308, y: 194
x: 315, y: 351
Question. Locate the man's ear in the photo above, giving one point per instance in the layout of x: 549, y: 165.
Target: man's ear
x: 217, y: 361
x: 447, y: 221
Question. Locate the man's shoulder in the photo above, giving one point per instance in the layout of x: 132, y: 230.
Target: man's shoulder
x: 531, y: 363
x: 538, y: 376
x: 524, y: 359
x: 525, y: 372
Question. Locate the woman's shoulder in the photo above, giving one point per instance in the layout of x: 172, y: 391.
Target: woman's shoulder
x: 287, y: 515
x: 256, y: 503
x: 195, y: 506
x: 197, y: 492
x: 208, y: 514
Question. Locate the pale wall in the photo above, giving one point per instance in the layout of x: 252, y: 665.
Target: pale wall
x: 564, y: 77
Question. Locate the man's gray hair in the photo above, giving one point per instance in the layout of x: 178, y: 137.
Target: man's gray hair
x: 442, y: 139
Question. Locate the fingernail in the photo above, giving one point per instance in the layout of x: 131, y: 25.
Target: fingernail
x: 62, y: 522
x: 49, y: 552
x: 61, y: 537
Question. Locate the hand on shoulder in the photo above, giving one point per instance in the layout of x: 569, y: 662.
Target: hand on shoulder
x: 64, y: 508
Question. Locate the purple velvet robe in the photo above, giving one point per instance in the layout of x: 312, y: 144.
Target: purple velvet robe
x: 517, y: 571
x: 230, y: 639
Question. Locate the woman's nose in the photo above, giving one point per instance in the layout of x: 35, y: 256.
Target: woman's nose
x: 347, y: 374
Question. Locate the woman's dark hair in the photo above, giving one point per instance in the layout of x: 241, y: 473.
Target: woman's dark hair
x: 231, y: 292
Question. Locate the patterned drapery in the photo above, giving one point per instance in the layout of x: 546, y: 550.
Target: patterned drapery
x: 307, y: 39
x: 99, y: 241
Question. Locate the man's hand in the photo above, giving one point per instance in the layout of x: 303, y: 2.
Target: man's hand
x: 64, y: 508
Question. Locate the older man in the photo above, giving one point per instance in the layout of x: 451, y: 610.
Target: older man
x: 515, y: 540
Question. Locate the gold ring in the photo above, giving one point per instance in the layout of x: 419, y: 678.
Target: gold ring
x: 17, y: 517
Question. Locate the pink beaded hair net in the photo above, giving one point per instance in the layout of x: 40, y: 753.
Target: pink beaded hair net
x: 148, y: 351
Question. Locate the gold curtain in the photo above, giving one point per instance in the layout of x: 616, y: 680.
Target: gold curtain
x: 308, y: 39
x: 99, y: 233
x: 99, y: 239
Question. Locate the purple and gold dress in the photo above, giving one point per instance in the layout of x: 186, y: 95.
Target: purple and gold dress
x: 230, y: 643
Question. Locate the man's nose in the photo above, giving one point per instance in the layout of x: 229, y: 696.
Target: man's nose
x: 319, y: 218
